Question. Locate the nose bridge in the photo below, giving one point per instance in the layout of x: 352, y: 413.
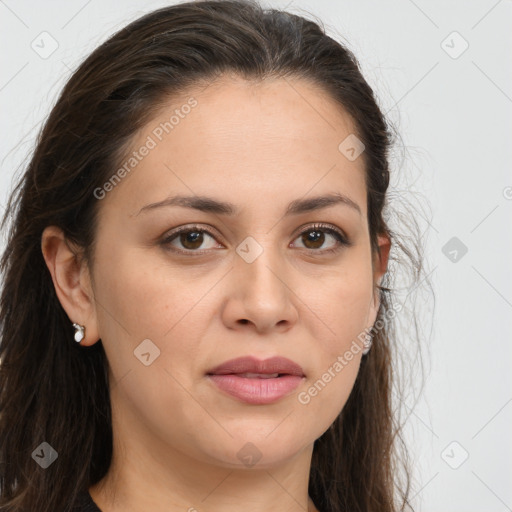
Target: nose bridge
x: 258, y: 293
x: 264, y: 296
x: 259, y: 267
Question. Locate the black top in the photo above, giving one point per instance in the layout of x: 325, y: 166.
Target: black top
x: 84, y: 503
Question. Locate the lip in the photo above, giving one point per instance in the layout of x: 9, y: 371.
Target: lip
x: 250, y: 364
x: 229, y: 378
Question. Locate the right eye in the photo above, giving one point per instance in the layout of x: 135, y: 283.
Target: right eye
x: 190, y: 238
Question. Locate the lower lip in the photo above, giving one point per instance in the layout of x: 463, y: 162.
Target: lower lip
x: 257, y: 391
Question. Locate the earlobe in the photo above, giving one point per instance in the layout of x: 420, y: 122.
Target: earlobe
x: 71, y: 281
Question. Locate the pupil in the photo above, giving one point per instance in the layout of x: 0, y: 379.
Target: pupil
x: 315, y: 237
x: 192, y: 239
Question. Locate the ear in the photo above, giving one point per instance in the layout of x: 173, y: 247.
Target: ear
x: 72, y: 281
x: 380, y: 265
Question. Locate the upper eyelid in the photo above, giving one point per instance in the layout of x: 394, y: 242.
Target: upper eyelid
x: 209, y: 230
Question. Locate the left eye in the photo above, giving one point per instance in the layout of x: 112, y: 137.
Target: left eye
x: 312, y: 238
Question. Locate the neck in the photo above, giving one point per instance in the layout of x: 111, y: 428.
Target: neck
x: 147, y: 474
x: 133, y: 485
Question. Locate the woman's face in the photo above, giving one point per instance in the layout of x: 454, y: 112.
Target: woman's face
x: 254, y: 279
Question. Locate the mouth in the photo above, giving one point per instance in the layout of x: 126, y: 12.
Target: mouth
x: 251, y: 367
x: 259, y: 375
x: 257, y: 382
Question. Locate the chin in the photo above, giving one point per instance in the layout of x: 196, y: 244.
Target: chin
x: 258, y: 450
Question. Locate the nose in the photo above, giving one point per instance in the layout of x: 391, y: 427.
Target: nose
x: 260, y: 296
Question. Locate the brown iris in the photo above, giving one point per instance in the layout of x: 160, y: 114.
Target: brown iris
x: 191, y: 239
x: 314, y: 236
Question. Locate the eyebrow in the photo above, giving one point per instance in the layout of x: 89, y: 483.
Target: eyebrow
x: 210, y: 205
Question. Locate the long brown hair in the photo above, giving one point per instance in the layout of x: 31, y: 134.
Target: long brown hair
x: 53, y: 390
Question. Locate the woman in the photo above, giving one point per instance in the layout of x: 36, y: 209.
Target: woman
x: 196, y: 310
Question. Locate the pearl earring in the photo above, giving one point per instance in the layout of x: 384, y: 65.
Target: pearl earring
x: 79, y: 332
x: 367, y: 343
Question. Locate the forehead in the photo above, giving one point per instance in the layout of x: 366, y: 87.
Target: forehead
x: 245, y: 136
x: 231, y: 108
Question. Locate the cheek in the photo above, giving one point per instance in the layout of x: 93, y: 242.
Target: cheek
x: 328, y: 391
x: 349, y: 312
x: 136, y: 294
x: 343, y: 304
x: 140, y: 299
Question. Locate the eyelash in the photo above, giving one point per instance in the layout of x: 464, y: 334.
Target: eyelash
x: 338, y: 235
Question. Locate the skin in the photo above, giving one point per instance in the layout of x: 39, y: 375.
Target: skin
x: 258, y: 145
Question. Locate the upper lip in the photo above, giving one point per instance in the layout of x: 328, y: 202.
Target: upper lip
x: 250, y: 364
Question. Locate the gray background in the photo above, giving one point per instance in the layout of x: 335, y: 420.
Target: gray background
x: 453, y: 111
